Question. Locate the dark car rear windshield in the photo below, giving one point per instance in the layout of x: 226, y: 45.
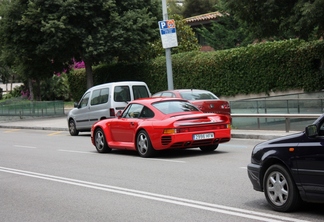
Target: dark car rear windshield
x: 197, y: 95
x: 168, y: 107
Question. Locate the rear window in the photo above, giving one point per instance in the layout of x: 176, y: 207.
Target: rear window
x: 140, y: 92
x: 168, y: 107
x: 197, y: 95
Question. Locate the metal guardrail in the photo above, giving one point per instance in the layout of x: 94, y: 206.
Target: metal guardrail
x: 32, y: 108
x: 287, y: 117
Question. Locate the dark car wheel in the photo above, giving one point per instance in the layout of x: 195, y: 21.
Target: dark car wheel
x: 208, y: 148
x: 100, y: 141
x: 72, y: 128
x: 143, y: 144
x: 280, y: 189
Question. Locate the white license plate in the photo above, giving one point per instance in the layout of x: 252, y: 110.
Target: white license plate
x: 203, y: 136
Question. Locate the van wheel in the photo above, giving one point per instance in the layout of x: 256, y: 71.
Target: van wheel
x: 72, y: 128
x: 143, y: 144
x: 100, y: 141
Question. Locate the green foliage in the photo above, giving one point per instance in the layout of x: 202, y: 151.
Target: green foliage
x: 174, y: 8
x: 259, y: 68
x: 280, y: 19
x: 41, y: 37
x: 119, y: 72
x: 77, y: 83
x: 198, y: 7
x: 55, y: 88
x: 15, y: 93
x: 225, y: 33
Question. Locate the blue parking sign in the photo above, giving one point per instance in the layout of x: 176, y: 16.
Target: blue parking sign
x: 168, y: 33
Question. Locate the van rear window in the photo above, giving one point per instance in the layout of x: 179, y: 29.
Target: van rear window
x: 140, y: 92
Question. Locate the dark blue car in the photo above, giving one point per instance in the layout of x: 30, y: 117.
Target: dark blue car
x: 290, y: 169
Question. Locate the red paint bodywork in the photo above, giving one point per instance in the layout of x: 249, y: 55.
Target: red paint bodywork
x: 120, y: 133
x: 206, y: 105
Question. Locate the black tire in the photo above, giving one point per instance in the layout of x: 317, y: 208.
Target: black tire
x: 280, y: 190
x: 72, y: 128
x: 101, y: 142
x: 143, y: 144
x: 208, y: 148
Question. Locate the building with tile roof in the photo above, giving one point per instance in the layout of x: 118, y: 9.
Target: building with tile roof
x: 203, y: 20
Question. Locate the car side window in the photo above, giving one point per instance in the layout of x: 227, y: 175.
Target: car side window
x: 146, y: 113
x: 133, y: 111
x: 321, y: 129
x: 84, y: 101
x: 99, y: 96
x: 95, y: 99
x: 104, y: 95
x: 122, y: 94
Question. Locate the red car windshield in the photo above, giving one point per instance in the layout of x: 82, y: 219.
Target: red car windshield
x: 168, y: 107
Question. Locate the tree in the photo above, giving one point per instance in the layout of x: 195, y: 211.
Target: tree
x: 226, y: 32
x: 280, y: 19
x: 198, y: 7
x: 44, y: 35
x: 174, y: 7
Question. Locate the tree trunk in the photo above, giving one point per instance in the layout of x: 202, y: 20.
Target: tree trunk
x: 31, y: 90
x: 88, y: 67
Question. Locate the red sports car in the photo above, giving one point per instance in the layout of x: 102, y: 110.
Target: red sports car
x: 205, y: 100
x: 152, y: 124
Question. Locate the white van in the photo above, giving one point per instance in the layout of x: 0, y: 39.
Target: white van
x: 103, y: 101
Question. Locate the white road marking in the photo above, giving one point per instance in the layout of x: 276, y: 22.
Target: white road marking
x: 158, y: 197
x: 74, y: 151
x: 29, y: 147
x: 174, y: 161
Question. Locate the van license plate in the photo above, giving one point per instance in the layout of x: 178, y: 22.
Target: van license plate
x: 203, y: 136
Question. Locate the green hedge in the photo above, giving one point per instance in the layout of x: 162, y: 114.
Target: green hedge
x: 258, y: 68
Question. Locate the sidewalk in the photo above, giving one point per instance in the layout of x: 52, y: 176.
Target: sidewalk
x: 60, y: 124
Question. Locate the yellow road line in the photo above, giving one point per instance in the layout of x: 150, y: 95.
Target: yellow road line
x: 12, y: 130
x: 54, y: 133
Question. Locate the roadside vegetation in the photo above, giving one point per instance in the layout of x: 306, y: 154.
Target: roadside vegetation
x: 277, y: 47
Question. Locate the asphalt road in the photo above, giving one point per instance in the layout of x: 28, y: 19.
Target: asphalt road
x: 52, y: 176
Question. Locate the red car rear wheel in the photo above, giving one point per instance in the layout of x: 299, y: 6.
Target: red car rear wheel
x: 143, y: 144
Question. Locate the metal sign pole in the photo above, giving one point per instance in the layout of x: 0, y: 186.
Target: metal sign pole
x: 167, y: 50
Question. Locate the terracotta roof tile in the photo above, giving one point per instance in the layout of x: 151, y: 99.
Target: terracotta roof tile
x: 204, y: 17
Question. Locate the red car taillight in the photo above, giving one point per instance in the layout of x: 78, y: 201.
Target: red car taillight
x: 175, y: 130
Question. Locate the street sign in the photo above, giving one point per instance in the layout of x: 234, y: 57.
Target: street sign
x: 168, y: 33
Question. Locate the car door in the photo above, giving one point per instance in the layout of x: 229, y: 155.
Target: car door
x: 98, y: 105
x: 123, y: 129
x: 310, y: 163
x: 81, y: 114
